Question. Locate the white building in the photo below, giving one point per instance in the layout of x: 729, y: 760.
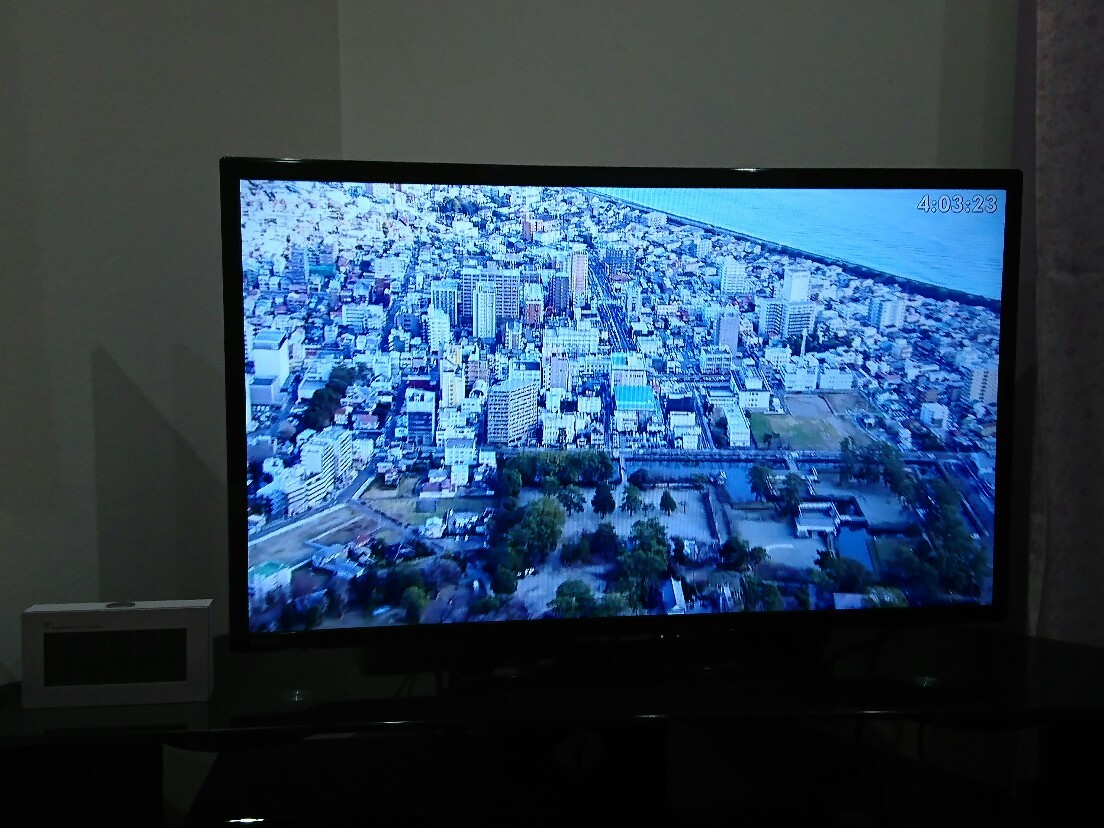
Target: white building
x: 685, y: 431
x: 733, y: 276
x: 715, y: 359
x: 739, y: 429
x: 484, y: 321
x: 886, y: 312
x: 935, y: 415
x: 452, y: 389
x: 801, y: 374
x: 571, y: 340
x: 341, y: 439
x: 439, y: 330
x: 270, y: 355
x: 627, y: 369
x: 421, y: 416
x: 511, y: 411
x: 795, y: 284
x: 558, y: 429
x: 836, y: 378
x: 752, y: 393
x: 728, y: 329
x: 983, y: 383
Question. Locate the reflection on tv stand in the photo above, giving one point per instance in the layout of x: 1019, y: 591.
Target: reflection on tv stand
x: 634, y: 675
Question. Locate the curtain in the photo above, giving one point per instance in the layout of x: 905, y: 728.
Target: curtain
x: 1065, y: 599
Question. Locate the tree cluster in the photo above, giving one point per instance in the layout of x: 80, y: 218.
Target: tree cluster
x: 879, y: 461
x: 324, y: 402
x: 569, y: 468
x: 575, y: 599
x: 603, y: 544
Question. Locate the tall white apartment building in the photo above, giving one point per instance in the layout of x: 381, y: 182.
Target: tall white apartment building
x: 342, y: 441
x: 795, y: 284
x: 271, y: 356
x: 452, y: 388
x: 631, y: 299
x: 728, y: 329
x: 445, y: 294
x: 317, y: 456
x: 733, y: 276
x: 483, y: 311
x: 511, y: 411
x: 579, y: 269
x: 983, y: 383
x: 439, y: 330
x: 785, y: 319
x: 886, y: 313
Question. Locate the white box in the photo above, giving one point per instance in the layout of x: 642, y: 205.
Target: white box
x: 124, y: 652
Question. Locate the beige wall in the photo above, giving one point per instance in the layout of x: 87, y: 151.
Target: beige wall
x: 745, y: 83
x: 115, y: 114
x: 114, y: 117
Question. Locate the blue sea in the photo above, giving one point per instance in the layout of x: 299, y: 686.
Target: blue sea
x: 879, y: 229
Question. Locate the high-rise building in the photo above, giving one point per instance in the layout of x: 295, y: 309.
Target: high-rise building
x: 791, y: 312
x: 421, y: 416
x: 342, y: 441
x: 533, y: 304
x: 579, y: 270
x: 782, y: 319
x: 561, y: 292
x: 795, y: 284
x: 631, y: 299
x: 983, y: 383
x: 445, y: 294
x: 484, y: 321
x: 507, y: 283
x: 271, y: 356
x: 439, y: 330
x: 512, y: 337
x: 621, y: 257
x: 886, y: 313
x: 733, y: 276
x: 452, y: 388
x: 728, y: 329
x: 511, y: 411
x: 702, y: 247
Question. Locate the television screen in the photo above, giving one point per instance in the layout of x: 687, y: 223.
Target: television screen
x: 542, y: 398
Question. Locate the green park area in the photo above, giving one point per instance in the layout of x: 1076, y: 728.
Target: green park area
x: 819, y: 433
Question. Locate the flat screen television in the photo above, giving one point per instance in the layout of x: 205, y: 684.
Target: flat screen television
x: 521, y: 409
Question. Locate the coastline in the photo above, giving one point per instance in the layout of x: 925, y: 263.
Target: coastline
x: 920, y: 288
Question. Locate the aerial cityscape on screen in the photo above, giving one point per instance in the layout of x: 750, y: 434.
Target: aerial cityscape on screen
x: 485, y: 403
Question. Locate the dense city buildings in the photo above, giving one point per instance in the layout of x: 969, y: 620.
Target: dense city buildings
x: 436, y: 331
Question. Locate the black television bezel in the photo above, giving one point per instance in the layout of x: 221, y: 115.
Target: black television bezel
x: 538, y: 638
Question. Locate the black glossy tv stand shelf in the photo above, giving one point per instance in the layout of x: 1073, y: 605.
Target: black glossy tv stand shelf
x: 305, y: 737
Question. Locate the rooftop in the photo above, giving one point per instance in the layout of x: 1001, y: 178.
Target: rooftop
x: 634, y: 396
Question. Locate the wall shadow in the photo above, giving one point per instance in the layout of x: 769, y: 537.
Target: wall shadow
x: 160, y: 510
